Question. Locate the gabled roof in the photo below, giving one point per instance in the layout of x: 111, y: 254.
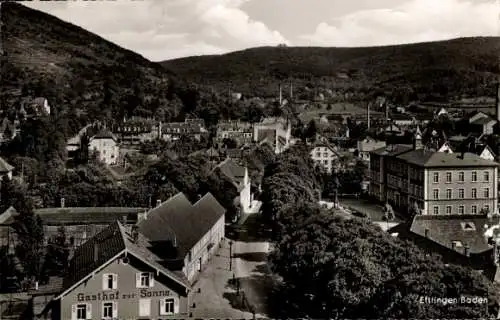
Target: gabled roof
x: 87, y: 215
x: 323, y: 145
x: 178, y: 219
x: 467, y: 229
x: 392, y: 149
x: 369, y: 144
x: 104, y: 134
x: 426, y: 158
x: 269, y: 134
x: 483, y: 120
x: 4, y: 166
x: 233, y: 171
x: 170, y: 221
x: 111, y: 243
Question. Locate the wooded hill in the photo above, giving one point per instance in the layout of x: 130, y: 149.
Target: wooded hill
x: 440, y: 70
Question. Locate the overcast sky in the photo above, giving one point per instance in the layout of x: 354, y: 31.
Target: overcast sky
x: 166, y: 29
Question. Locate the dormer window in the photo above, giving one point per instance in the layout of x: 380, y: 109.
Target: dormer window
x: 457, y: 244
x: 468, y: 226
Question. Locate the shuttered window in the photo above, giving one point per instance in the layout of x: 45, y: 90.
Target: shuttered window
x: 109, y: 281
x: 81, y: 311
x: 144, y: 280
x: 169, y: 306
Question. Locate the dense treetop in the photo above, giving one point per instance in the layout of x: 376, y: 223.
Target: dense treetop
x: 336, y: 268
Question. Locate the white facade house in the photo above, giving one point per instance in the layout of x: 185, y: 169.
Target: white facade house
x: 324, y: 156
x: 239, y: 177
x: 106, y: 146
x: 275, y: 131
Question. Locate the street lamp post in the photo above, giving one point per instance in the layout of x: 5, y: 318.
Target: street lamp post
x: 230, y: 255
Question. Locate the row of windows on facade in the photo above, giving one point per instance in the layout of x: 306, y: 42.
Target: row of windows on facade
x: 461, y: 177
x: 325, y: 162
x: 461, y: 193
x: 397, y: 182
x: 325, y: 155
x: 460, y: 209
x: 109, y: 310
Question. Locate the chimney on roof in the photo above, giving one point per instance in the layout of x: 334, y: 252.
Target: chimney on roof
x: 427, y: 231
x: 466, y: 250
x: 453, y: 245
x: 96, y: 252
x: 62, y: 202
x: 135, y: 233
x: 124, y: 219
x: 158, y: 202
x: 141, y: 216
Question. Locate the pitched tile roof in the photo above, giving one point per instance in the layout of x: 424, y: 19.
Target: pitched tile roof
x: 269, y: 134
x: 4, y: 166
x: 87, y: 215
x: 110, y: 243
x: 169, y: 221
x: 392, y: 150
x: 232, y: 170
x: 104, y: 134
x: 178, y: 219
x: 428, y: 158
x: 97, y: 251
x: 468, y: 229
x: 206, y: 211
x: 483, y: 120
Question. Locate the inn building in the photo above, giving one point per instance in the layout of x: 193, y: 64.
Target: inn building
x: 143, y: 271
x: 437, y: 183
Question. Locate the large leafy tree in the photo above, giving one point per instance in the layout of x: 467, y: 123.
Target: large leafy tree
x: 337, y: 268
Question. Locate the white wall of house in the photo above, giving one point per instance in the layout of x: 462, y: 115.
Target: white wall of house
x: 107, y: 148
x: 245, y: 194
x: 324, y: 156
x: 200, y: 251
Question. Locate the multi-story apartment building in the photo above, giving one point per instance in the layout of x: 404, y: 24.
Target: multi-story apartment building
x: 106, y: 145
x: 438, y: 183
x: 234, y: 129
x: 325, y: 156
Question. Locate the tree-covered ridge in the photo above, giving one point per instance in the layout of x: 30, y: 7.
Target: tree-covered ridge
x: 337, y: 268
x: 422, y: 71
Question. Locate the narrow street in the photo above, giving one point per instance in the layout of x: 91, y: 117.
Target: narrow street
x: 219, y: 296
x: 251, y: 268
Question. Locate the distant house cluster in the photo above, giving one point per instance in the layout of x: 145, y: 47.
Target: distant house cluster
x: 276, y: 132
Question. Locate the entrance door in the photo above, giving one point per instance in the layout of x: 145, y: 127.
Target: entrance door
x: 199, y: 264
